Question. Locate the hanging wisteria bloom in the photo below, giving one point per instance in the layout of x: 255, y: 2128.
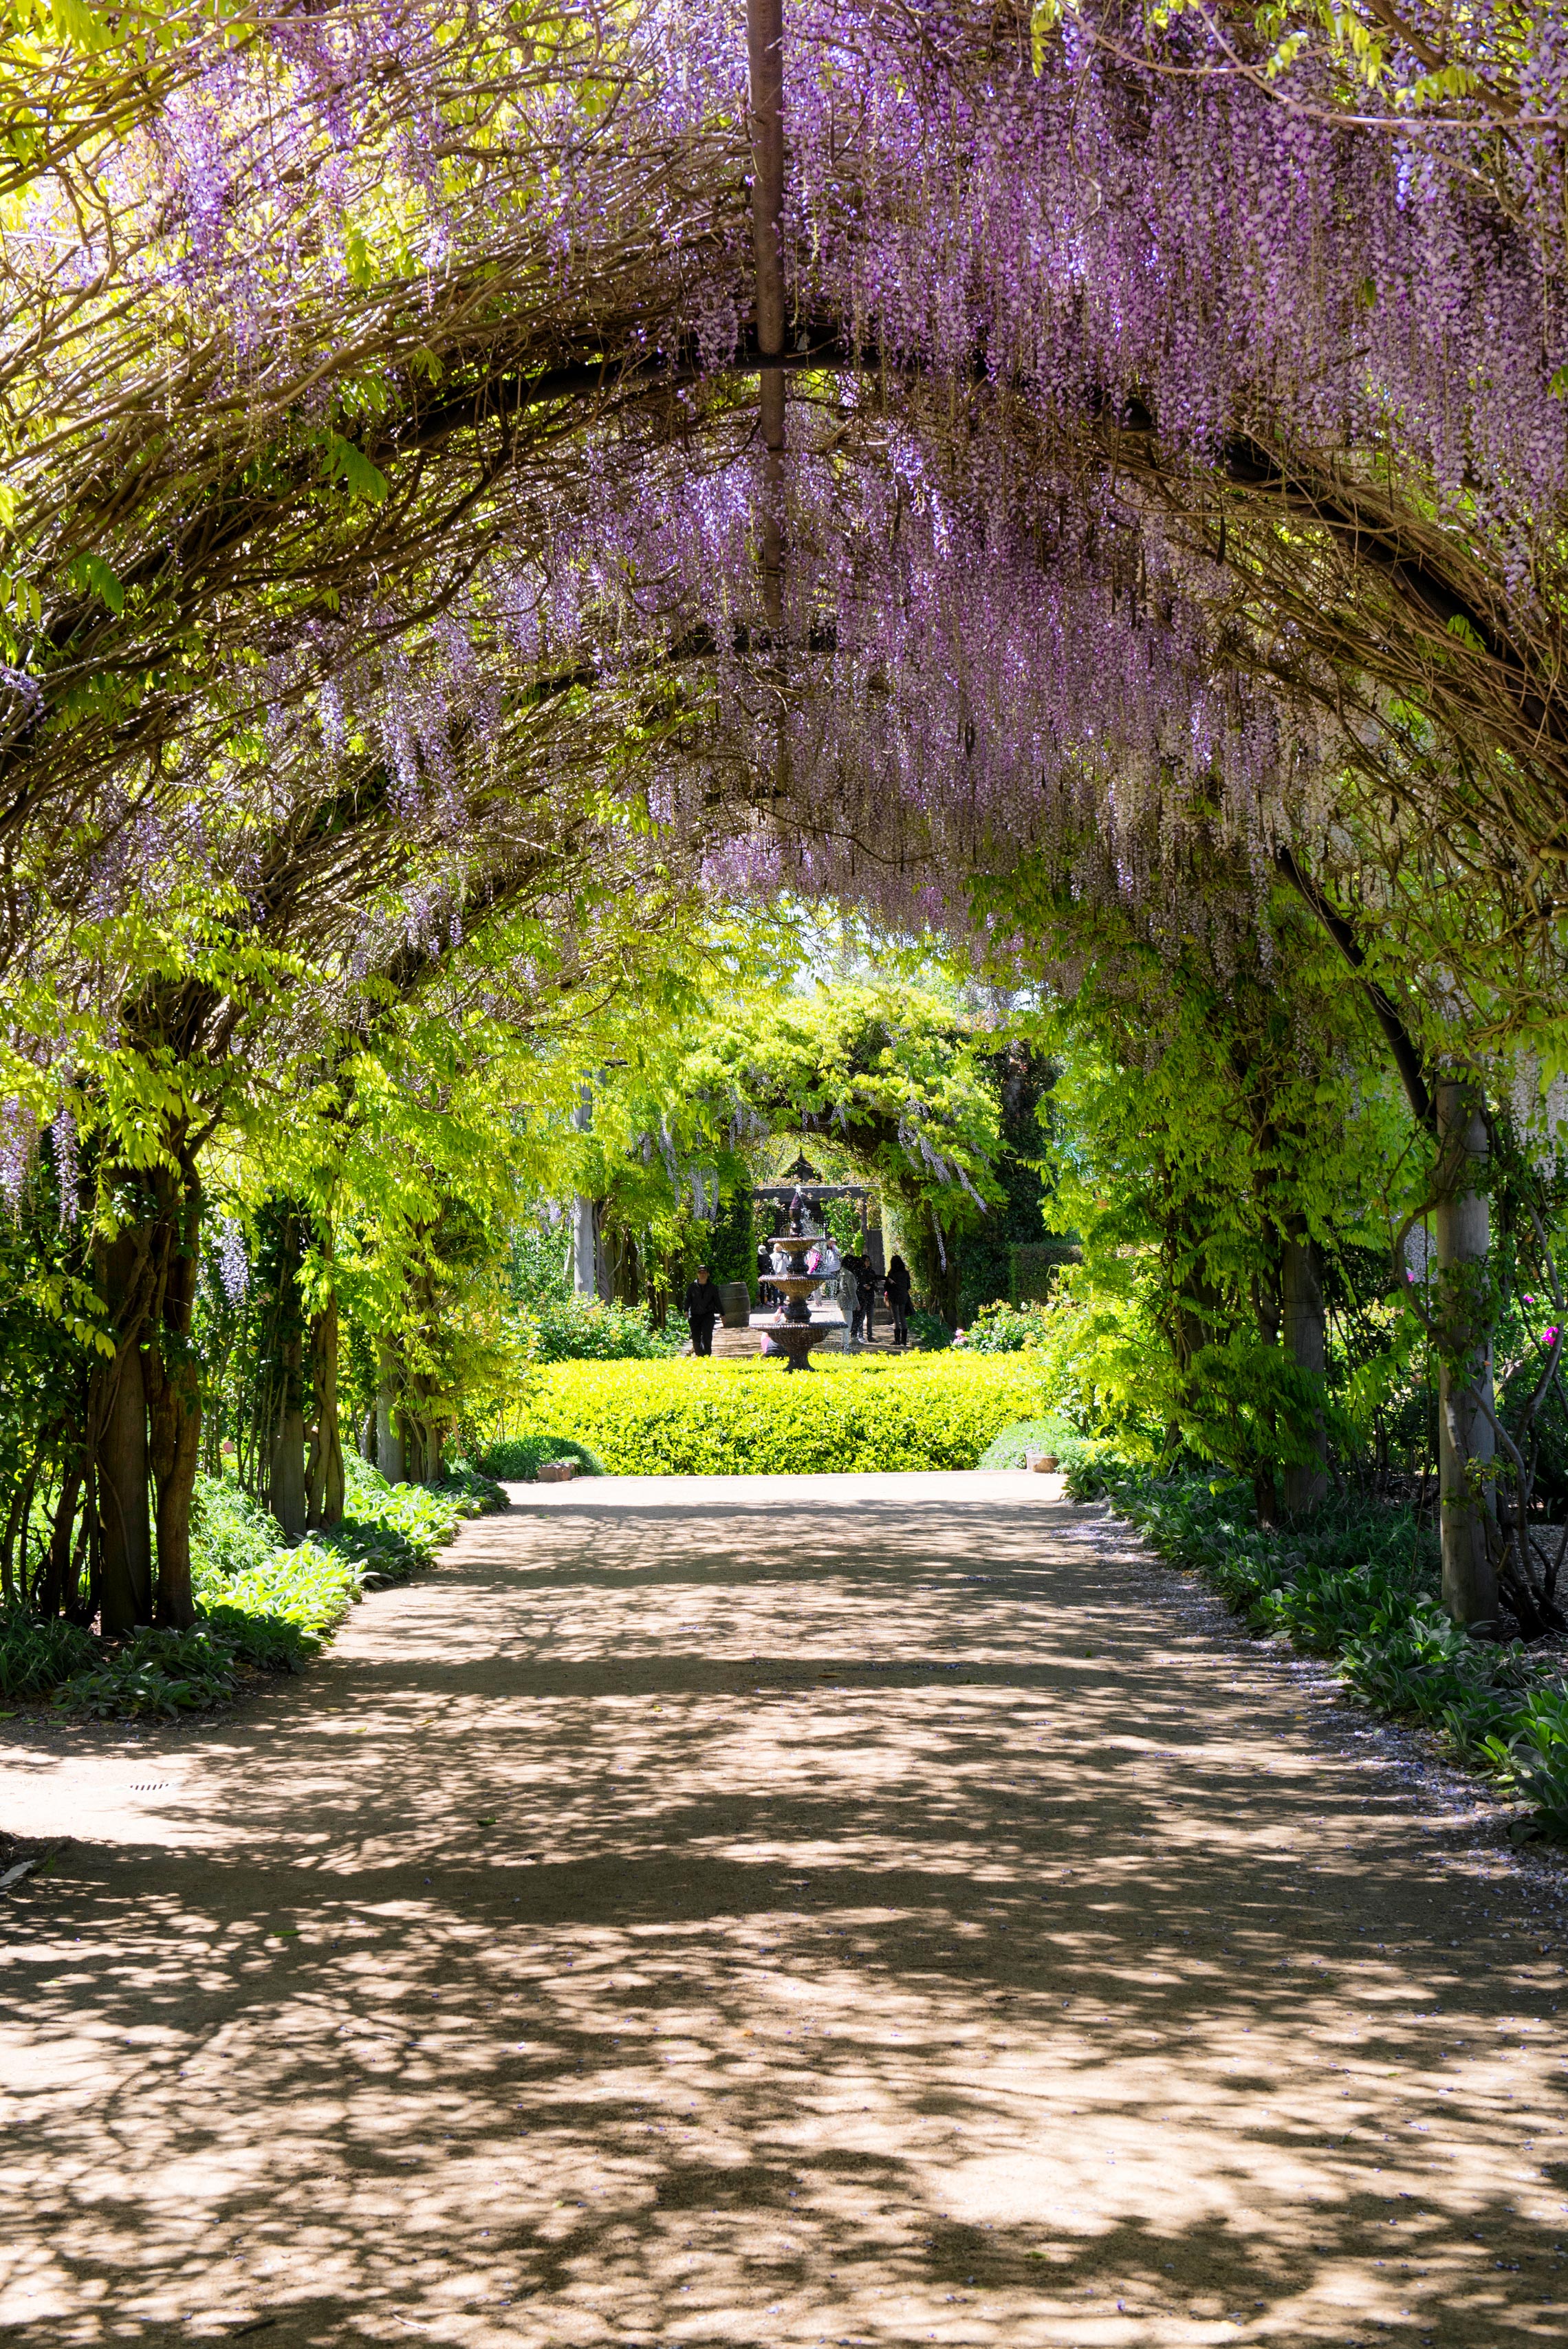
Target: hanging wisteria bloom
x: 234, y: 1263
x: 66, y: 1154
x: 18, y: 1142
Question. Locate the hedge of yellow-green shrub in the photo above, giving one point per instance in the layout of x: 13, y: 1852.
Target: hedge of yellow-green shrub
x: 685, y: 1417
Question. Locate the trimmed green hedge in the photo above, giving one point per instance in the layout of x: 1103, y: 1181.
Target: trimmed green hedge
x: 694, y: 1418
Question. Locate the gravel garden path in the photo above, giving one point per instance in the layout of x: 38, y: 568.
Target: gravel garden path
x: 875, y: 1910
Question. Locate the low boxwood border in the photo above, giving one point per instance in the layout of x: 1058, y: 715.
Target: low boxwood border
x: 857, y: 1414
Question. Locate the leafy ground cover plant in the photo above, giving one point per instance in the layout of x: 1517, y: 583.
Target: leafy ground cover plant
x: 393, y: 1530
x: 1011, y: 1448
x: 929, y: 1332
x: 1004, y: 1329
x: 466, y: 1484
x: 1358, y: 1583
x: 582, y: 1329
x: 35, y: 1654
x: 1531, y: 1751
x: 727, y: 1418
x: 518, y: 1458
x: 160, y: 1672
x: 262, y: 1605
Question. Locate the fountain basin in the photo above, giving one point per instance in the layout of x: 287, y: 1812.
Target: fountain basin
x: 795, y: 1340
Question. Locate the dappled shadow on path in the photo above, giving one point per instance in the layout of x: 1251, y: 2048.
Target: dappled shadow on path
x: 640, y: 1932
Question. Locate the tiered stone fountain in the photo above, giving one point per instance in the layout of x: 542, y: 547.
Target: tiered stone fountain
x: 796, y: 1333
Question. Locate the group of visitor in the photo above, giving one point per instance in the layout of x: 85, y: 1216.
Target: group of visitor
x: 864, y: 1284
x: 859, y: 1284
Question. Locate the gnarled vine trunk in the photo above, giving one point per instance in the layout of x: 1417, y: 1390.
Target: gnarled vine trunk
x: 933, y: 1258
x: 1462, y: 1318
x: 144, y: 1409
x: 173, y: 1390
x: 1303, y: 1330
x: 56, y: 1586
x: 324, y: 1484
x: 286, y: 1481
x: 423, y: 1437
x: 117, y: 1435
x: 388, y: 1427
x: 622, y: 1261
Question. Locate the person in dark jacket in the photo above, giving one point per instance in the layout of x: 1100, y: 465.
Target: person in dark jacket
x: 702, y: 1308
x: 862, y: 1295
x: 764, y: 1266
x: 896, y: 1288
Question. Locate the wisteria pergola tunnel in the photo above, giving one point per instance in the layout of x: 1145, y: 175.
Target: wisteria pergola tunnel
x: 1053, y: 479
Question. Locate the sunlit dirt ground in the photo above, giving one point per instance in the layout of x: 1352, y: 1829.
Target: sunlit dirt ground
x: 888, y: 1910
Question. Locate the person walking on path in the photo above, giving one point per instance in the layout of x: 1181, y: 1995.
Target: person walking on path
x: 896, y: 1288
x: 848, y: 1295
x: 865, y: 1298
x: 702, y: 1308
x: 855, y: 1268
x: 765, y: 1293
